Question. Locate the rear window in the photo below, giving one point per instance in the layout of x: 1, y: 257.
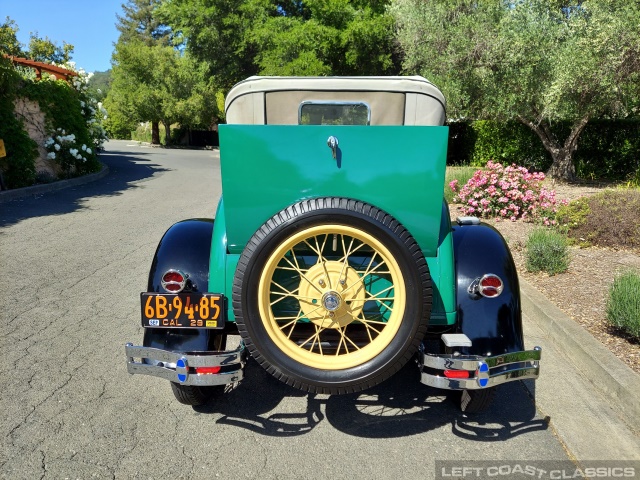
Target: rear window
x: 334, y: 113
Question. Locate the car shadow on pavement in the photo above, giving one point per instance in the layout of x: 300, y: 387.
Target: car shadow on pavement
x: 124, y: 171
x: 399, y: 407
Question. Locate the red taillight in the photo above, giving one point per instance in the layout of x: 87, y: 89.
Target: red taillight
x: 205, y: 370
x: 456, y: 374
x: 174, y: 281
x: 173, y: 277
x: 490, y: 286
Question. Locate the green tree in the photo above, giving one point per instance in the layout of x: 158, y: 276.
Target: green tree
x: 9, y: 43
x: 270, y: 37
x: 159, y: 84
x: 535, y: 61
x: 45, y: 50
x: 140, y: 22
x: 99, y: 85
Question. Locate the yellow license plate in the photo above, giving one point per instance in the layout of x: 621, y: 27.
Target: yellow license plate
x: 183, y: 310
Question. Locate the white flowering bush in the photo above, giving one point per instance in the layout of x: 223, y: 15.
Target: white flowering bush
x: 92, y: 110
x: 75, y: 120
x: 67, y: 152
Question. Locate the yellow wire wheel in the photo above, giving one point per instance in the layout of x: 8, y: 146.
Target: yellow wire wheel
x: 332, y: 295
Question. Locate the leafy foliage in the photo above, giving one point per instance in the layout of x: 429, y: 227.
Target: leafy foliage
x: 45, y: 50
x: 9, y: 43
x: 608, y: 150
x: 547, y: 251
x: 623, y: 304
x: 506, y: 192
x: 271, y: 37
x: 18, y: 167
x: 528, y: 61
x: 140, y: 23
x: 159, y: 84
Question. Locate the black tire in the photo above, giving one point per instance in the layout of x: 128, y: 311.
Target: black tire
x: 194, y: 395
x: 476, y: 401
x: 358, y: 338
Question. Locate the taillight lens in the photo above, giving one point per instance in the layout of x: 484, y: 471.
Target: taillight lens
x: 456, y: 374
x: 174, y: 281
x: 207, y: 370
x: 490, y: 286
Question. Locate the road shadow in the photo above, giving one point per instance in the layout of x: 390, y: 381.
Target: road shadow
x: 125, y: 170
x: 399, y: 407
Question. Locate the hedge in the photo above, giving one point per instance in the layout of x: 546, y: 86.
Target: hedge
x: 607, y: 149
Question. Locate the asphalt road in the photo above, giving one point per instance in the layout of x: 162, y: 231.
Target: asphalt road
x: 73, y: 263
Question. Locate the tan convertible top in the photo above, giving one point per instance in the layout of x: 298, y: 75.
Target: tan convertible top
x: 392, y: 100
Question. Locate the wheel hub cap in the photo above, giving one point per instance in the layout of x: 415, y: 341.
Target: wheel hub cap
x: 332, y: 294
x: 331, y: 301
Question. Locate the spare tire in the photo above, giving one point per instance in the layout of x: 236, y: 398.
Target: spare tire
x: 332, y: 295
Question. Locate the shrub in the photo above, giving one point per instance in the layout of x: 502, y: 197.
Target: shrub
x: 68, y: 152
x: 508, y: 142
x: 461, y: 175
x: 547, y: 251
x: 18, y: 167
x: 623, y: 304
x: 609, y: 219
x: 506, y: 192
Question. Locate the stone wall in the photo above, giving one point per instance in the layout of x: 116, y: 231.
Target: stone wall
x: 33, y: 119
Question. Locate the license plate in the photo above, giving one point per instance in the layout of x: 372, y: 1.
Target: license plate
x: 183, y: 310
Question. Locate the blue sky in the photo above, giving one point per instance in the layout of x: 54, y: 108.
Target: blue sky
x: 89, y: 25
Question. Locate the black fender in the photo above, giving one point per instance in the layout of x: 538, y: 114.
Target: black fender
x: 186, y: 246
x: 494, y: 325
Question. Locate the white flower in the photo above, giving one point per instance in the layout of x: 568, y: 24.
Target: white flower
x: 84, y: 147
x: 84, y: 159
x: 51, y: 156
x: 57, y: 147
x: 78, y: 157
x: 73, y: 151
x: 88, y: 150
x: 82, y: 104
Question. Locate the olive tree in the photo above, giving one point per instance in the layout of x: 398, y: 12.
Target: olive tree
x: 540, y: 62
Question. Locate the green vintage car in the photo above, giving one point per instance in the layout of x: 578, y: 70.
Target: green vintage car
x: 332, y: 254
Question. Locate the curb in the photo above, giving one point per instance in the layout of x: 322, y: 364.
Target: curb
x: 607, y: 374
x: 14, y: 194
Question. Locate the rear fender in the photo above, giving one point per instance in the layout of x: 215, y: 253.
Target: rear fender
x: 186, y: 247
x: 494, y: 325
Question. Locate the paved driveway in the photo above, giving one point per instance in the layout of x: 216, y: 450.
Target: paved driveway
x: 73, y: 263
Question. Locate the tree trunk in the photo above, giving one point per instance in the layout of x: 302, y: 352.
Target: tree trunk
x: 167, y: 133
x: 562, y: 167
x: 155, y: 133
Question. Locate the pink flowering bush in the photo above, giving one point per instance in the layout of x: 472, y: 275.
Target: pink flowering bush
x: 507, y: 192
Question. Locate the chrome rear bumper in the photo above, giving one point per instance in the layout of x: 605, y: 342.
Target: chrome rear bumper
x: 469, y: 372
x: 182, y: 368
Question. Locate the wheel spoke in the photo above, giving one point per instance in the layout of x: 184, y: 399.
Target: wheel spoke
x: 301, y: 273
x: 285, y: 294
x: 315, y: 336
x: 345, y: 340
x: 378, y: 299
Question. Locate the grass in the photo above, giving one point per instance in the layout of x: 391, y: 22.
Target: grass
x: 623, y: 304
x: 547, y: 251
x: 462, y: 174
